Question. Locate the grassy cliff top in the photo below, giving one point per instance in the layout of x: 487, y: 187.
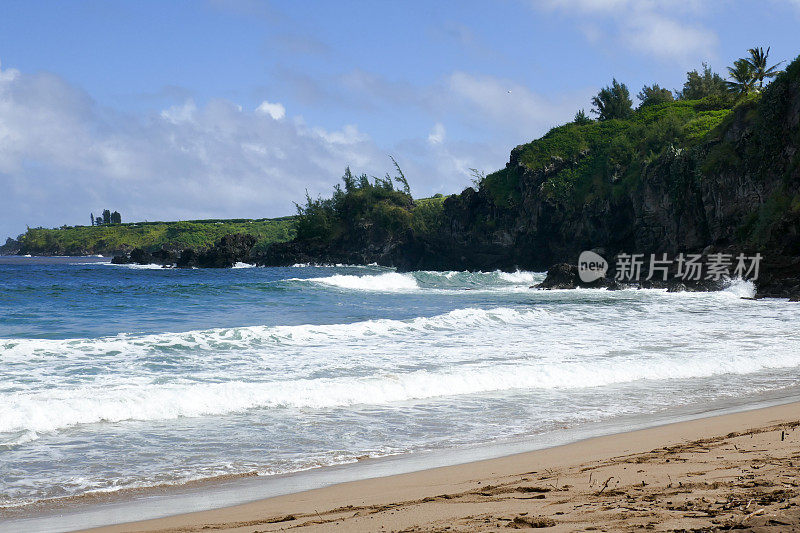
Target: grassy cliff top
x: 606, y: 157
x: 605, y: 151
x: 106, y: 239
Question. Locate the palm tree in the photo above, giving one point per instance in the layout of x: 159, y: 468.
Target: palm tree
x: 758, y: 60
x: 742, y: 75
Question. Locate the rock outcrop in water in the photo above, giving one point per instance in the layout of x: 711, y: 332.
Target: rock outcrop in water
x: 566, y: 276
x: 229, y: 250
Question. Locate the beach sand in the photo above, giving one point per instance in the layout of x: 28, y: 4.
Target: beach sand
x: 735, y: 471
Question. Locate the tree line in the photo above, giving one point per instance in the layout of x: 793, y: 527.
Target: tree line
x: 746, y: 76
x: 107, y: 217
x: 363, y: 205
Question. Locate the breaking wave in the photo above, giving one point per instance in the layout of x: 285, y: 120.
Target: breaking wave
x: 429, y: 280
x: 52, y: 410
x: 389, y: 282
x: 228, y: 339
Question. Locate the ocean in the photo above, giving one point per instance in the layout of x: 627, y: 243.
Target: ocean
x: 119, y: 377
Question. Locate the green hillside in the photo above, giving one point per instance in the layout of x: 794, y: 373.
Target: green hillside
x: 615, y: 150
x: 107, y: 239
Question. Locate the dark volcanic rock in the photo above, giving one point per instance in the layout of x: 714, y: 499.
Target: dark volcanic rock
x: 561, y: 276
x: 141, y: 257
x: 779, y: 278
x: 137, y: 256
x: 187, y: 258
x: 11, y: 247
x: 225, y: 253
x: 165, y: 257
x: 565, y: 276
x: 228, y: 251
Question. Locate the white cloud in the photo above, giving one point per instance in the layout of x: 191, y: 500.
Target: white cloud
x: 180, y: 113
x: 668, y: 38
x: 62, y: 156
x: 502, y: 111
x: 276, y: 110
x: 436, y: 136
x: 657, y: 28
x: 349, y: 135
x: 518, y: 110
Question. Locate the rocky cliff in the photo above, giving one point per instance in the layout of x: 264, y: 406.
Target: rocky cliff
x: 739, y: 189
x: 687, y: 177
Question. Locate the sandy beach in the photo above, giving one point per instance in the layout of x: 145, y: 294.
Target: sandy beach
x: 725, y: 472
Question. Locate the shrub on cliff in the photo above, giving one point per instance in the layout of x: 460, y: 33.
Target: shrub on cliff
x: 654, y: 95
x: 613, y: 101
x: 698, y: 86
x: 363, y: 204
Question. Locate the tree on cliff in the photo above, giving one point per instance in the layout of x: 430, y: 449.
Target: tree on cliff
x: 581, y: 118
x: 758, y: 61
x: 613, y: 101
x: 653, y: 95
x: 742, y: 77
x: 116, y: 218
x: 400, y: 178
x: 364, y: 204
x: 699, y: 85
x: 106, y: 216
x: 91, y: 217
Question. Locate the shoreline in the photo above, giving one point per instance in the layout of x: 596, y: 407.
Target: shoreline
x: 333, y: 487
x: 516, y: 489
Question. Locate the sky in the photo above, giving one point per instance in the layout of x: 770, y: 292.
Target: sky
x: 170, y: 110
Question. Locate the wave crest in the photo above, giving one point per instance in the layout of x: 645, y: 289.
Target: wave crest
x: 388, y: 282
x: 429, y: 280
x: 52, y: 410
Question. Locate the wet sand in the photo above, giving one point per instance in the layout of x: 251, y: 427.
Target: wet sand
x: 735, y: 471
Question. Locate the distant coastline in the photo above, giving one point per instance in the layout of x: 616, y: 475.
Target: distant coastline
x: 708, y: 171
x: 116, y: 239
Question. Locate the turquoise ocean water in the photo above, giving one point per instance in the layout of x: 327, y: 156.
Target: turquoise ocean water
x: 116, y: 377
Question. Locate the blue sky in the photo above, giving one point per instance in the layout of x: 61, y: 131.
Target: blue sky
x: 233, y: 108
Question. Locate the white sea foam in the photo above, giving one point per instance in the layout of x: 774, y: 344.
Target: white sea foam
x: 544, y: 350
x: 51, y: 410
x: 333, y: 265
x: 429, y: 280
x: 135, y: 266
x: 17, y: 438
x: 388, y: 282
x: 507, y: 361
x: 740, y: 288
x: 519, y: 277
x: 262, y: 336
